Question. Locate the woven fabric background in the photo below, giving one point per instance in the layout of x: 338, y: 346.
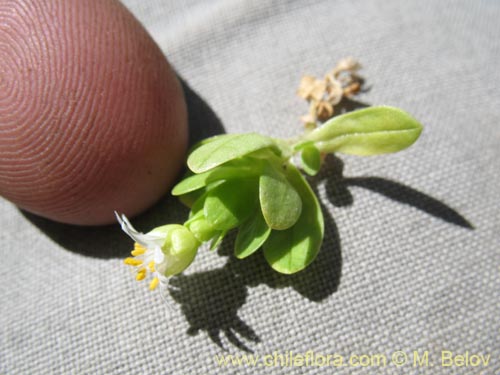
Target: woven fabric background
x: 411, y: 257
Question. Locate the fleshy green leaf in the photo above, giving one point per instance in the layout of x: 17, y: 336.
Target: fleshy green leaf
x: 311, y: 160
x: 204, y: 141
x: 196, y: 199
x: 217, y: 240
x: 200, y: 227
x: 197, y: 206
x: 189, y: 199
x: 370, y: 131
x: 191, y: 183
x: 291, y: 250
x: 226, y: 148
x: 230, y: 203
x: 251, y: 235
x: 280, y: 203
x: 198, y: 181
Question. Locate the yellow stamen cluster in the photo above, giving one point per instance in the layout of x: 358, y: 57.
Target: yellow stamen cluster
x: 142, y: 271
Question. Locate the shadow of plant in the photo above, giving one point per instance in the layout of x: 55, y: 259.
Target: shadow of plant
x: 210, y: 300
x: 224, y: 290
x: 340, y: 196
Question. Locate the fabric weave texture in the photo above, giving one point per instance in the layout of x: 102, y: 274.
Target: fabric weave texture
x: 411, y: 257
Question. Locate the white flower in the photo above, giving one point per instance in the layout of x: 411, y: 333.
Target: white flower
x: 165, y: 251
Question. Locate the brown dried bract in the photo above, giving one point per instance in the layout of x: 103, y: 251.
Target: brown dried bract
x: 324, y: 110
x: 347, y: 64
x: 334, y: 90
x: 311, y: 88
x: 323, y: 95
x: 352, y: 89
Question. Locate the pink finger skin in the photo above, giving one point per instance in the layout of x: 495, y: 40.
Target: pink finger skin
x: 92, y: 117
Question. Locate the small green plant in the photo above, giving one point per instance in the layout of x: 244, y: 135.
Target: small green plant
x: 253, y: 184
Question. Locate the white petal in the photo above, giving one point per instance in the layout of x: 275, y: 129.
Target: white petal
x: 160, y: 271
x: 138, y: 237
x: 158, y: 257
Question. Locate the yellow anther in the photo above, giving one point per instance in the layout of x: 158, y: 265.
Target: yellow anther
x: 138, y: 249
x: 154, y: 283
x: 138, y: 246
x: 141, y: 274
x: 151, y: 266
x: 136, y: 252
x: 132, y: 262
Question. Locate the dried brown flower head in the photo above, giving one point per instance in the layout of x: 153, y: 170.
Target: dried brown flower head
x: 324, y: 94
x: 311, y: 88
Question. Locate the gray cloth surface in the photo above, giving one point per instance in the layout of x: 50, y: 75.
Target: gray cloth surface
x: 400, y: 269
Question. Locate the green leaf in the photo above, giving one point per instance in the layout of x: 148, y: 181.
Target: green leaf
x: 230, y: 203
x: 197, y: 206
x: 217, y: 240
x: 191, y: 183
x: 251, y: 235
x: 200, y: 227
x: 280, y: 203
x: 204, y: 141
x: 291, y: 250
x: 196, y: 199
x: 198, y: 181
x: 370, y: 131
x: 311, y: 160
x: 226, y: 148
x: 189, y: 199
